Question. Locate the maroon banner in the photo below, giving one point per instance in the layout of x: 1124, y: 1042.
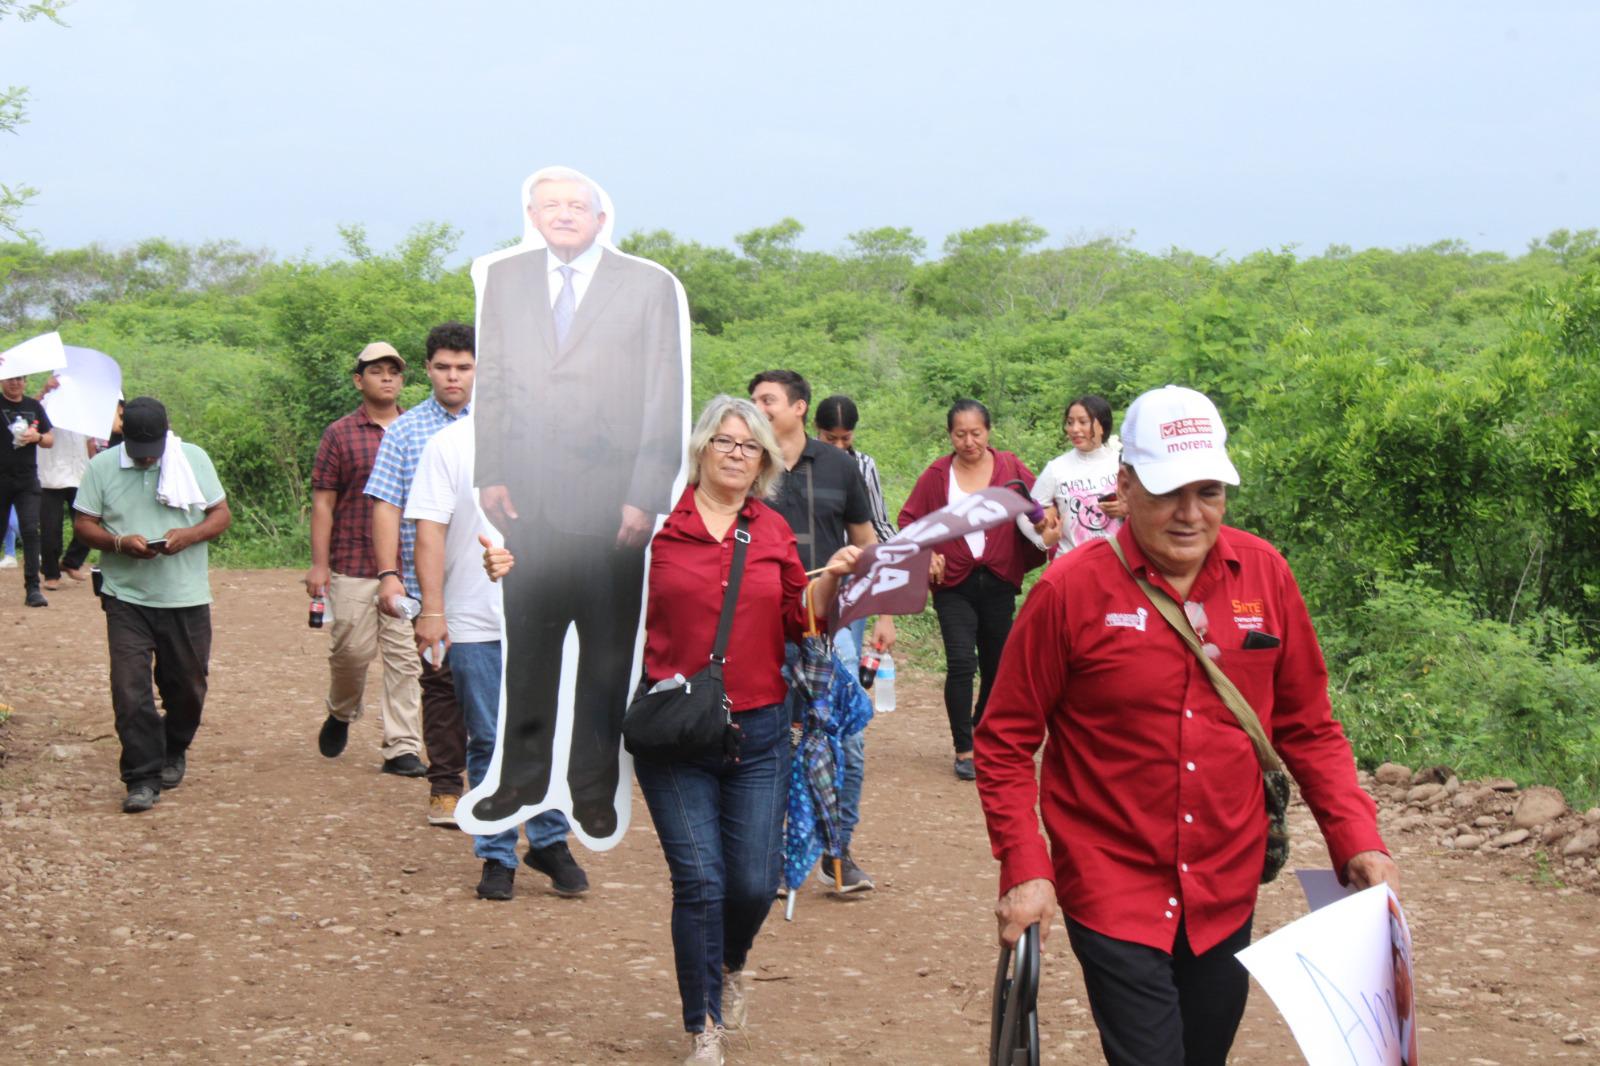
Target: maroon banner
x: 892, y: 578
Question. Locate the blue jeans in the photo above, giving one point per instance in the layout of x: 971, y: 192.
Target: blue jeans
x: 720, y: 824
x: 476, y: 669
x: 847, y: 642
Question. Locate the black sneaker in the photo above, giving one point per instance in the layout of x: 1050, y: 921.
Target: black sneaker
x: 555, y: 861
x: 140, y: 798
x: 966, y: 769
x: 172, y: 771
x: 497, y: 882
x: 852, y: 877
x: 407, y: 765
x: 332, y: 737
x: 36, y: 598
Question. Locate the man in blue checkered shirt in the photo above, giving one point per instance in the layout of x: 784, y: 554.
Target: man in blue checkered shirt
x: 452, y: 363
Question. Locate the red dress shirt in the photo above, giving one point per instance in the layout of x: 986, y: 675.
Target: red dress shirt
x: 688, y: 577
x: 1006, y: 551
x: 1150, y: 790
x: 344, y: 459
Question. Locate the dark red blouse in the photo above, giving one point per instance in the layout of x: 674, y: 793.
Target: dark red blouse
x: 688, y: 577
x: 1006, y: 551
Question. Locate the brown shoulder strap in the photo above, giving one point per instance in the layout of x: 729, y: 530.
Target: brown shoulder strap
x: 1175, y: 616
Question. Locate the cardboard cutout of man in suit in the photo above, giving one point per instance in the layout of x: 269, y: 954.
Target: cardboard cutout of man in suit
x: 582, y: 419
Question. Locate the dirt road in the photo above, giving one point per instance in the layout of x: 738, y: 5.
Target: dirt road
x: 280, y: 907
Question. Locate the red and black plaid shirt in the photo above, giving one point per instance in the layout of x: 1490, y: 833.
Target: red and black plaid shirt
x: 344, y: 459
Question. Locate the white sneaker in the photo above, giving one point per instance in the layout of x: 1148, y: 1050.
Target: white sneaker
x: 8, y: 562
x: 735, y: 1007
x: 707, y: 1049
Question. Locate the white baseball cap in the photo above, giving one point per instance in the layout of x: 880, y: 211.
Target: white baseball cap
x: 1172, y: 437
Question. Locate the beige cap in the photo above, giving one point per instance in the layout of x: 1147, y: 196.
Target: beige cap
x: 378, y: 350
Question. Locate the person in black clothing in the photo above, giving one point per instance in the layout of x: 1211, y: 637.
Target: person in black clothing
x: 824, y: 499
x: 27, y: 429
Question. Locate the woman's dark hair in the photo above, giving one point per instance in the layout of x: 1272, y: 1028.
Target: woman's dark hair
x: 1097, y: 408
x: 965, y: 405
x: 837, y: 412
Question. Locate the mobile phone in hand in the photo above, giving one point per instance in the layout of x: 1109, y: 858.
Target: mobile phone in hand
x: 1109, y: 497
x: 157, y: 545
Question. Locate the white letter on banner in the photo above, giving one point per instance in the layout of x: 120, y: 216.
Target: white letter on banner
x: 895, y: 553
x: 890, y: 578
x: 926, y: 532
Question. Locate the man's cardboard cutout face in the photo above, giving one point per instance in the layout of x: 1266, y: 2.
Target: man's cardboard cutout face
x: 566, y: 215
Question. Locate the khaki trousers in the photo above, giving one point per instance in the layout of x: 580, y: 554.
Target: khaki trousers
x: 360, y: 633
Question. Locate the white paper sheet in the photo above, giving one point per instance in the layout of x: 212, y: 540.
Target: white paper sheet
x: 1341, y: 978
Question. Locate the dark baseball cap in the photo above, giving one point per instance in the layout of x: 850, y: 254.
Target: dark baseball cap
x: 144, y: 428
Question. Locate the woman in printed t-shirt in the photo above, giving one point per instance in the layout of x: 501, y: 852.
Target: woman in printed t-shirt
x: 1081, y: 485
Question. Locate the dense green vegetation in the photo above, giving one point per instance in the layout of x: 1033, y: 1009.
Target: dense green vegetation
x: 1418, y: 430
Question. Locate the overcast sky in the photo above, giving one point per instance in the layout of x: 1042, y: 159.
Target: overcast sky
x: 1220, y: 128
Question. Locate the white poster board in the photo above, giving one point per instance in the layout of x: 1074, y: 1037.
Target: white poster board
x: 85, y: 397
x: 1341, y: 978
x: 34, y: 356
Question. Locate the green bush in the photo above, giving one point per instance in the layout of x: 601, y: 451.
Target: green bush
x: 1419, y: 678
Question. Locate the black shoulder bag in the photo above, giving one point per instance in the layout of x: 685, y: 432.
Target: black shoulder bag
x: 1274, y: 779
x: 672, y: 723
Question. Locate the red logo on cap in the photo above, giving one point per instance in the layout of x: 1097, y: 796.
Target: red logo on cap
x: 1185, y: 427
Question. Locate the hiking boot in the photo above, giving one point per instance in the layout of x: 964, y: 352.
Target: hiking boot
x: 140, y: 798
x: 966, y: 769
x: 735, y: 1005
x: 852, y: 877
x: 407, y: 765
x: 497, y: 882
x: 35, y: 598
x: 707, y: 1047
x: 172, y: 771
x: 332, y: 737
x: 555, y: 861
x: 442, y: 810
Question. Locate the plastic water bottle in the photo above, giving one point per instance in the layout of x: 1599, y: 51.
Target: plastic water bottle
x: 883, y: 691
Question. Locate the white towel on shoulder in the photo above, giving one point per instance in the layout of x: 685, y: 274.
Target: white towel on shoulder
x: 178, y: 486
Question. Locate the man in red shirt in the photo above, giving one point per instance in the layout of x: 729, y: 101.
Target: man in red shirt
x: 1150, y: 791
x: 344, y: 572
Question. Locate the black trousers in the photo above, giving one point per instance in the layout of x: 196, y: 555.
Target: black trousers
x: 55, y: 505
x: 974, y: 620
x: 22, y: 492
x: 565, y: 579
x: 1156, y: 1009
x: 172, y: 645
x: 444, y: 730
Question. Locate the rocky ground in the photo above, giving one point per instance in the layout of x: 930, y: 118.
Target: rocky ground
x: 283, y: 908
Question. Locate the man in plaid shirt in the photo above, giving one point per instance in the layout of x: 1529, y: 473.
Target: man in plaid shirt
x: 452, y: 363
x: 345, y: 573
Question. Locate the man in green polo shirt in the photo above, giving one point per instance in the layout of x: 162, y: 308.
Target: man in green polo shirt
x: 150, y: 505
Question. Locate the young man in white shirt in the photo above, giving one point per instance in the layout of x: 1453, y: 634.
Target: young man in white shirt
x: 461, y: 622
